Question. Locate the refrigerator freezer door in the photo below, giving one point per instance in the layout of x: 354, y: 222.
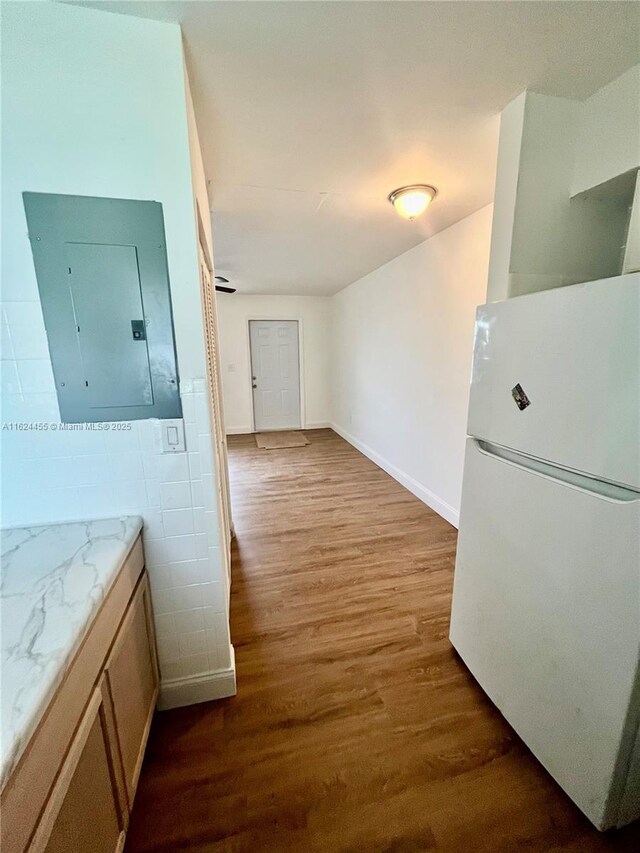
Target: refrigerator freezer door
x: 546, y: 615
x: 557, y: 375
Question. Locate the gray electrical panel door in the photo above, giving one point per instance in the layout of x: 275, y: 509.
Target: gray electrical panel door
x: 106, y: 296
x: 104, y: 288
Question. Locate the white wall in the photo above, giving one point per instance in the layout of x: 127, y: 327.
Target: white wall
x: 541, y: 222
x: 505, y: 196
x: 609, y: 133
x: 531, y: 217
x: 198, y: 177
x: 95, y: 104
x: 550, y: 150
x: 402, y: 346
x: 234, y: 312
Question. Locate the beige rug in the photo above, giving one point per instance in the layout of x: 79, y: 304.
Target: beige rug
x: 278, y: 440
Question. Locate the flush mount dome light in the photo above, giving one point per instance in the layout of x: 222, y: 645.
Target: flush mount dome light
x: 413, y: 200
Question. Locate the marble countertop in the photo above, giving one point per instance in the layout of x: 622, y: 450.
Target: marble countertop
x: 54, y: 578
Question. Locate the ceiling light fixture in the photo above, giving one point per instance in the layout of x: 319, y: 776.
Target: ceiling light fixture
x: 413, y: 200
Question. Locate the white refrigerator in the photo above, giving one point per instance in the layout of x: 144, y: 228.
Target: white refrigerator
x: 546, y: 601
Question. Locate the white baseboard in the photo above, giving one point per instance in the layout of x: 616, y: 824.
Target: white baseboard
x: 198, y: 688
x: 425, y: 495
x: 250, y: 430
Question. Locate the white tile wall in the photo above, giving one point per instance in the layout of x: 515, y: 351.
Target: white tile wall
x: 65, y: 475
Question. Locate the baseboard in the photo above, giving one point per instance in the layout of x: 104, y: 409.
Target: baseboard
x: 425, y: 495
x: 250, y: 430
x: 198, y: 688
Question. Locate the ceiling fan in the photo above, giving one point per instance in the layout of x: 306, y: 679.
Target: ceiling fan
x: 220, y: 287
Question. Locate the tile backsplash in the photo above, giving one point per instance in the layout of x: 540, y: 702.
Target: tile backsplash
x: 59, y: 474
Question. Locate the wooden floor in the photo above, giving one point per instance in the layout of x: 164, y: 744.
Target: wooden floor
x: 356, y: 727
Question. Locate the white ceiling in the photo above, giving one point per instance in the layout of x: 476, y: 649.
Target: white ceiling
x: 310, y: 113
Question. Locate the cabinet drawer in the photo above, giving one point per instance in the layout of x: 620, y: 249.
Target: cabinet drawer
x: 132, y: 676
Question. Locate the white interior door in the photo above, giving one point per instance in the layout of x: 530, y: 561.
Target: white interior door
x: 275, y: 369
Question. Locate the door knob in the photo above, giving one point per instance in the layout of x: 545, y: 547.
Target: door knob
x: 254, y: 385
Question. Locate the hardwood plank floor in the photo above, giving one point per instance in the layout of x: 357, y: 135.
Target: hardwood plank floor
x: 356, y: 727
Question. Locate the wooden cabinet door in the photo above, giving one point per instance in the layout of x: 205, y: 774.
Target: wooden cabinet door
x: 86, y: 809
x: 132, y: 675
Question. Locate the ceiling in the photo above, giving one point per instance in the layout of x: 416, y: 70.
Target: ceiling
x: 310, y: 113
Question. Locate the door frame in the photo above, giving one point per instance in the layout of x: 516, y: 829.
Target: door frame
x: 215, y: 398
x: 277, y: 317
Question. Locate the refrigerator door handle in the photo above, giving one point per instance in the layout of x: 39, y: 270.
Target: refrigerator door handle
x: 600, y: 488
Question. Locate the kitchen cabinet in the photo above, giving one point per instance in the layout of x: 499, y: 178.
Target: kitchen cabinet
x: 75, y: 783
x: 133, y: 685
x: 86, y: 810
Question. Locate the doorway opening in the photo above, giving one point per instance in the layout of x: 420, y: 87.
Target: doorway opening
x: 275, y: 374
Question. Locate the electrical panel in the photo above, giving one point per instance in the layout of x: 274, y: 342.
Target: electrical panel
x: 101, y: 267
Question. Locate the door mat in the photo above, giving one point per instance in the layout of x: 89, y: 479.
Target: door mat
x: 278, y: 440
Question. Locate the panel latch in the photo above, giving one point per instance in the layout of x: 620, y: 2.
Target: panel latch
x: 138, y: 330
